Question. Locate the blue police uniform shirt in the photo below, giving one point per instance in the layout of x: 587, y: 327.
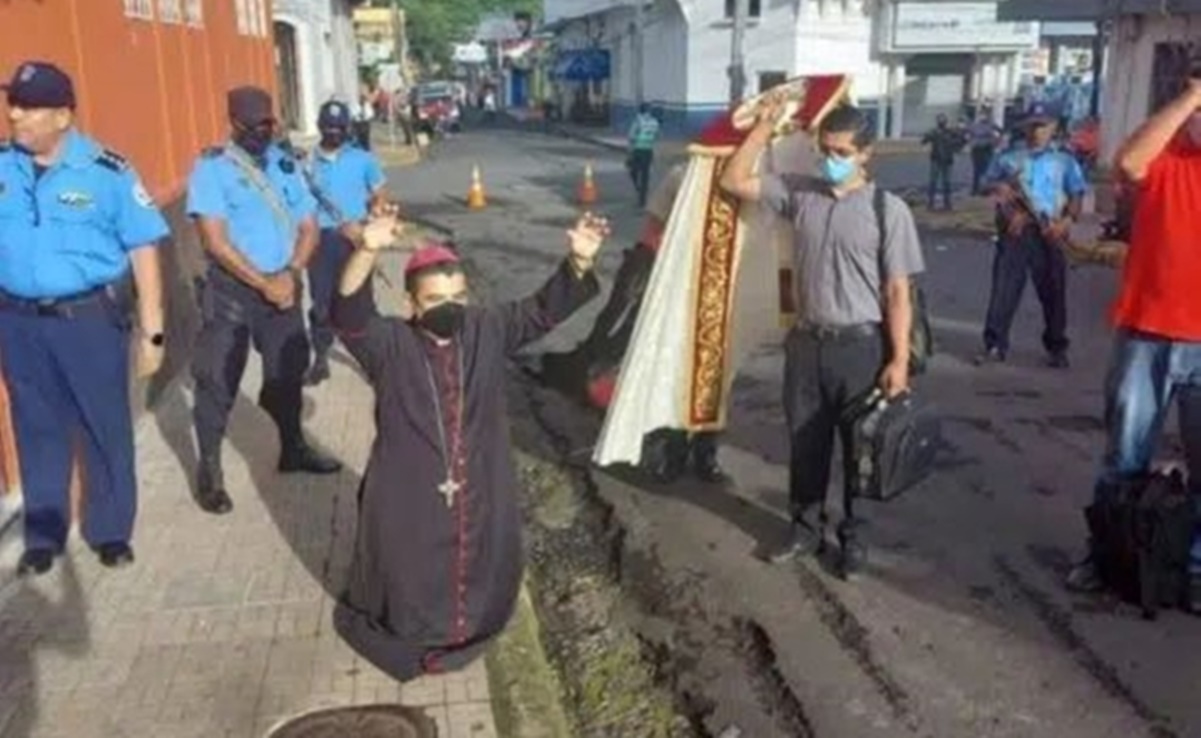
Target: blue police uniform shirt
x: 264, y: 234
x: 1050, y: 176
x: 71, y: 229
x: 347, y: 177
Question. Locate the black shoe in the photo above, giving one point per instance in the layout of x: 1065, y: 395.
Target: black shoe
x: 992, y: 355
x: 704, y: 459
x: 803, y: 540
x: 35, y: 562
x: 115, y: 555
x: 305, y: 459
x: 210, y: 493
x: 318, y: 372
x: 852, y: 554
x: 1058, y: 360
x: 665, y: 453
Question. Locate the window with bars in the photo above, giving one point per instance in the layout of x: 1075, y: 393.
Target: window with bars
x: 1173, y: 63
x: 139, y: 9
x: 170, y: 11
x: 194, y: 13
x: 754, y: 8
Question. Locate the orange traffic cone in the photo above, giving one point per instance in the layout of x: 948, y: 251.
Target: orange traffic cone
x: 476, y: 200
x: 587, y: 187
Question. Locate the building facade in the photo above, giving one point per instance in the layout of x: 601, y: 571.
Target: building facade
x: 316, y: 57
x: 1150, y: 48
x: 908, y: 60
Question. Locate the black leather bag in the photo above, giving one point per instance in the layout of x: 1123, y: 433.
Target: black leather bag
x: 1142, y: 533
x: 895, y: 444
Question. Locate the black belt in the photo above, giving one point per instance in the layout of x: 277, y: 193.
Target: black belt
x: 838, y: 332
x: 57, y: 307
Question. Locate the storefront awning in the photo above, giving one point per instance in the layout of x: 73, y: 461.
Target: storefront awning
x: 582, y: 65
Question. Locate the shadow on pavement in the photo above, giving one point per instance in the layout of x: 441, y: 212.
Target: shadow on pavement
x: 34, y: 623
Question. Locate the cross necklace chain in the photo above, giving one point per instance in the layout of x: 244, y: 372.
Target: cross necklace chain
x: 449, y: 487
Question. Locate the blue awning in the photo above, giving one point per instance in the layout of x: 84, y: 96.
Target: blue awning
x: 582, y: 65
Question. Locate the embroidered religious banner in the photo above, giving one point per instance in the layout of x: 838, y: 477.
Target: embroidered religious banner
x: 696, y: 315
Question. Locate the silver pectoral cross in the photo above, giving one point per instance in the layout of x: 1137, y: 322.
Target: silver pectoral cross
x: 448, y: 490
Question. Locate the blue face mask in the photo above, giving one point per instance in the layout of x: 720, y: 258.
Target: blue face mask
x: 838, y: 170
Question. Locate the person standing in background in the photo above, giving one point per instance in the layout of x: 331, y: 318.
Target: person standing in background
x: 983, y: 137
x: 643, y: 134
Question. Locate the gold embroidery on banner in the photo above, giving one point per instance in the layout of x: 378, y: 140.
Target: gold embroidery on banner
x: 712, y: 319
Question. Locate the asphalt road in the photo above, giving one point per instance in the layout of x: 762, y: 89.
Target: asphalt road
x: 960, y: 626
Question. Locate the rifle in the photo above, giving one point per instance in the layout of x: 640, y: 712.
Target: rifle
x: 1105, y: 252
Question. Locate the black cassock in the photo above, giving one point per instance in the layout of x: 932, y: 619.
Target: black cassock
x: 436, y: 575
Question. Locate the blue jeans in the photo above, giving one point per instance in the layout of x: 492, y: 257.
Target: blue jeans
x: 1146, y: 375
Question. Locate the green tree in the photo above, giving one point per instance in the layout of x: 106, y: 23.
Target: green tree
x: 434, y: 25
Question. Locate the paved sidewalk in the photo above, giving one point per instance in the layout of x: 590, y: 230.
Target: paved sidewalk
x: 223, y: 627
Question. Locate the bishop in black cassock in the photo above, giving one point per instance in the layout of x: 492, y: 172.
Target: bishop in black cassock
x: 438, y: 558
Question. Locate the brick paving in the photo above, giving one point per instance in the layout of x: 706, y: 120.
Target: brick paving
x: 223, y: 627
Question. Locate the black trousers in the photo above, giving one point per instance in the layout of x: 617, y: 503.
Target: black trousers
x: 824, y: 373
x: 981, y: 158
x: 1045, y: 263
x: 940, y: 181
x: 325, y: 270
x: 234, y: 317
x: 640, y: 172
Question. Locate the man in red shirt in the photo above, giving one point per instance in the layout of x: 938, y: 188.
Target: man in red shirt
x: 1157, y: 348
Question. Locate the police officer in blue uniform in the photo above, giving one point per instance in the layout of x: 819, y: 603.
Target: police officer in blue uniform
x: 257, y: 221
x: 74, y: 218
x: 1040, y: 191
x: 347, y: 183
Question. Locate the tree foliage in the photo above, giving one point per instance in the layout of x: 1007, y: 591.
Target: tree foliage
x: 434, y: 25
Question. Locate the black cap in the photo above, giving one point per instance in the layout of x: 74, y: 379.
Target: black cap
x: 1040, y: 114
x: 250, y: 106
x: 334, y: 114
x: 40, y: 85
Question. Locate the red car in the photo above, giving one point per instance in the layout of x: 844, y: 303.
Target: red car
x: 435, y: 109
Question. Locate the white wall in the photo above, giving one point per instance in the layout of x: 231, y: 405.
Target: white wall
x: 325, y: 53
x: 1126, y: 93
x: 770, y: 46
x: 835, y: 37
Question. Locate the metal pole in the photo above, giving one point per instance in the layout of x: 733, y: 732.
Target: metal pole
x: 639, y: 85
x: 1094, y: 104
x: 737, y: 69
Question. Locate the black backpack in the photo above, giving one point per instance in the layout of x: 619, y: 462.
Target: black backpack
x: 921, y: 336
x: 1142, y: 534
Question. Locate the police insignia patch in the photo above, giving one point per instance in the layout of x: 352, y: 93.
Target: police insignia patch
x: 142, y: 197
x: 27, y: 72
x: 287, y: 166
x: 77, y: 200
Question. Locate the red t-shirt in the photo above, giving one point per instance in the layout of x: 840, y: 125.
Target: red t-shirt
x: 1161, y: 281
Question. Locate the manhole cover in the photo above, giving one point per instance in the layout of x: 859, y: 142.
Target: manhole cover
x: 367, y: 721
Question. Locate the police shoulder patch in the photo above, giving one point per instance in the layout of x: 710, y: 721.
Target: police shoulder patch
x: 287, y: 165
x: 112, y: 160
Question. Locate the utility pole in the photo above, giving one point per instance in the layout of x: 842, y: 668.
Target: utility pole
x: 638, y: 40
x: 737, y: 63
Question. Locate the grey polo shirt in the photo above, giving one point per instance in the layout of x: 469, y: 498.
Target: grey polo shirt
x: 840, y: 266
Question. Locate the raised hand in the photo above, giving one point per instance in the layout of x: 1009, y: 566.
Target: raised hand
x: 586, y: 237
x: 383, y: 229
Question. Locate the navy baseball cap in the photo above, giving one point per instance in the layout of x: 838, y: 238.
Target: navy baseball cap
x: 1040, y: 114
x: 38, y: 84
x: 250, y: 106
x: 334, y: 114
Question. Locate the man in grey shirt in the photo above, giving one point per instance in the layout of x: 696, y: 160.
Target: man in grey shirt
x: 855, y: 311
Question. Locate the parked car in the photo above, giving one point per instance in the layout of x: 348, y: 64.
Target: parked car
x: 435, y: 109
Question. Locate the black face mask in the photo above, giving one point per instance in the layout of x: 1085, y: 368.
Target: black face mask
x: 333, y: 139
x: 444, y: 320
x: 253, y: 140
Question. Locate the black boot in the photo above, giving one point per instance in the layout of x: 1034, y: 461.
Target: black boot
x: 301, y: 457
x: 704, y: 459
x: 319, y: 371
x: 804, y: 539
x: 666, y: 455
x: 35, y: 562
x: 852, y: 555
x: 210, y: 489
